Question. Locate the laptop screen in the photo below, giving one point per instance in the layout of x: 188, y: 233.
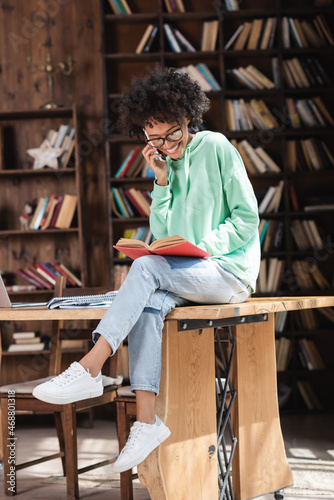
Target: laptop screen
x: 4, y: 297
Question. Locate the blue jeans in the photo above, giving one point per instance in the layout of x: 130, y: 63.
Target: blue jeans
x: 152, y: 288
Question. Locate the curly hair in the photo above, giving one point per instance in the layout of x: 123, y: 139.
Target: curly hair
x: 165, y: 95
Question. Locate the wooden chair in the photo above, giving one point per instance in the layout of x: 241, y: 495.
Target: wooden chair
x: 65, y: 415
x: 125, y: 409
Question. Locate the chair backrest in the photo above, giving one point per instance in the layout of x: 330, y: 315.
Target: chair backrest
x: 61, y: 333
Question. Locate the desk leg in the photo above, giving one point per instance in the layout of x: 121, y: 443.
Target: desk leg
x: 185, y: 465
x: 259, y: 465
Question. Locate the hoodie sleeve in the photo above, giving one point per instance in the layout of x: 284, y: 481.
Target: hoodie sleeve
x: 242, y: 224
x: 161, y: 197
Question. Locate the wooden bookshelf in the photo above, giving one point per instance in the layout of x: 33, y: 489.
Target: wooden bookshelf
x: 21, y: 184
x: 122, y: 34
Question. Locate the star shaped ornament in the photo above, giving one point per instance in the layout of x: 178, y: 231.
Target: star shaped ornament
x: 45, y: 155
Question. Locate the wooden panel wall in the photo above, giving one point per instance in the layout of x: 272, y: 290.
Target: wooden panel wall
x: 74, y: 27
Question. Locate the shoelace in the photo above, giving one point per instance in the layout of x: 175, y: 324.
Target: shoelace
x: 134, y: 433
x: 67, y: 376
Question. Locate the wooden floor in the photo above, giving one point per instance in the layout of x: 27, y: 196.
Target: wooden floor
x: 310, y: 434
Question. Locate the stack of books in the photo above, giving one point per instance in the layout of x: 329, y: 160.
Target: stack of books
x: 27, y: 341
x: 308, y: 276
x: 306, y: 235
x: 269, y: 198
x: 209, y: 35
x: 258, y: 34
x: 306, y: 33
x: 271, y: 234
x: 243, y: 115
x: 54, y: 212
x: 43, y: 275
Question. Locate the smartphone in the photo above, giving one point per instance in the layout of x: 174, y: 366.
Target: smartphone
x: 163, y: 157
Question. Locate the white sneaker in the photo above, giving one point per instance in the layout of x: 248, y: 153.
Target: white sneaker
x: 143, y: 439
x: 74, y: 384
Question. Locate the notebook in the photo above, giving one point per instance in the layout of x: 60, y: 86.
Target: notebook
x: 6, y: 302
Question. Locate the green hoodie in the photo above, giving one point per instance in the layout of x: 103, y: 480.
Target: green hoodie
x: 210, y: 201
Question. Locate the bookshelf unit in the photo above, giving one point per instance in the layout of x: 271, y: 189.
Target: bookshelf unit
x: 122, y: 34
x: 21, y: 184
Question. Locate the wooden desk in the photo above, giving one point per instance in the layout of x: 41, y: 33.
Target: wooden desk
x: 185, y: 466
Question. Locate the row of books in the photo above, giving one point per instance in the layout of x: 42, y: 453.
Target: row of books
x: 258, y: 34
x: 306, y: 33
x: 134, y: 164
x: 243, y: 115
x: 202, y: 75
x: 308, y: 275
x: 308, y: 154
x: 309, y: 355
x: 249, y: 77
x: 61, y: 142
x: 130, y: 202
x: 304, y: 72
x: 271, y: 275
x: 269, y: 198
x: 43, y: 275
x: 306, y: 235
x: 271, y: 233
x: 142, y: 233
x: 256, y: 159
x: 54, y: 212
x: 308, y: 113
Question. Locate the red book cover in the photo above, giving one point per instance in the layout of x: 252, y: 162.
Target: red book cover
x: 55, y: 213
x: 57, y: 267
x: 184, y: 249
x: 128, y: 164
x: 31, y: 271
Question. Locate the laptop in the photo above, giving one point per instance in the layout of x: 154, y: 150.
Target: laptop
x: 6, y: 302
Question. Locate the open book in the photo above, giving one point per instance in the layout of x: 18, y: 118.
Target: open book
x: 171, y: 245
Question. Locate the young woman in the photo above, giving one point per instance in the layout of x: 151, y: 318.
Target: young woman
x: 201, y: 192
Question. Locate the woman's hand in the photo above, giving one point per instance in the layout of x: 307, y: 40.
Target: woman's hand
x: 159, y: 167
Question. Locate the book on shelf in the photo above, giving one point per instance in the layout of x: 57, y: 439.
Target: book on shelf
x: 310, y: 355
x: 185, y: 45
x: 304, y: 72
x: 283, y: 353
x: 174, y: 6
x: 172, y: 40
x: 308, y: 395
x: 328, y: 312
x: 270, y: 275
x: 120, y: 6
x: 249, y: 77
x: 171, y: 245
x: 132, y: 158
x: 272, y: 198
x: 306, y: 33
x: 306, y: 235
x: 308, y: 113
x: 306, y: 319
x: 280, y: 321
x: 309, y: 276
x: 257, y: 160
x: 209, y: 35
x: 67, y: 211
x: 271, y: 234
x: 242, y: 115
x: 147, y: 39
x: 258, y: 34
x: 42, y: 275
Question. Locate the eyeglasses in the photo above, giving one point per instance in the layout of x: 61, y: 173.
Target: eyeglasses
x: 158, y: 142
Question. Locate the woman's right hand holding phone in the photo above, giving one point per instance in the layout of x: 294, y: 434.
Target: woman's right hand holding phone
x: 159, y: 167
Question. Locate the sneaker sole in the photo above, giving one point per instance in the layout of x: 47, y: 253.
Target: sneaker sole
x: 145, y: 453
x: 62, y: 400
